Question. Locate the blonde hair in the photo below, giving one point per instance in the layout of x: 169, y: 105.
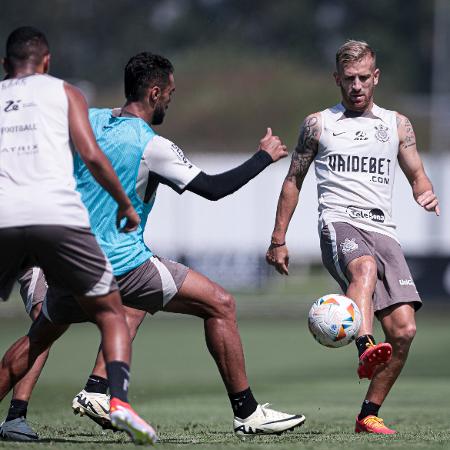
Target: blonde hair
x: 353, y: 51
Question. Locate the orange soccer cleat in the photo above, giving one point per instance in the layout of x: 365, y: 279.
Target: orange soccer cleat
x: 372, y: 424
x: 123, y: 417
x: 374, y: 356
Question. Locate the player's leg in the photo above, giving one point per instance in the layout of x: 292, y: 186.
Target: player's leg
x: 203, y: 298
x: 362, y: 274
x: 21, y: 356
x: 93, y: 401
x: 398, y: 322
x: 73, y: 262
x: 15, y: 427
x: 348, y: 255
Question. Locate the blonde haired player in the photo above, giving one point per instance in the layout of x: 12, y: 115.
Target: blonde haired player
x: 355, y: 146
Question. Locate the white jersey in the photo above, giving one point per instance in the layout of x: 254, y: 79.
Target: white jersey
x: 37, y: 185
x: 355, y: 168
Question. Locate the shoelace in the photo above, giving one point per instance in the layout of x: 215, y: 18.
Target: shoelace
x: 377, y: 422
x: 370, y: 343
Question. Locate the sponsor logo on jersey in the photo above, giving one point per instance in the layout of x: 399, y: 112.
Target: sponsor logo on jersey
x: 382, y: 133
x: 407, y: 282
x: 12, y: 105
x: 15, y: 105
x: 338, y: 133
x: 360, y: 136
x: 21, y: 149
x: 355, y: 163
x: 177, y: 150
x: 13, y: 82
x: 18, y: 128
x: 375, y: 214
x: 349, y: 246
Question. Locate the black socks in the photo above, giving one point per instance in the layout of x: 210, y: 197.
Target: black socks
x: 368, y: 409
x: 119, y: 379
x: 17, y: 408
x: 96, y: 384
x: 243, y: 403
x: 362, y: 341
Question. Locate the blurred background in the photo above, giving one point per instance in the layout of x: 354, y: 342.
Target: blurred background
x: 241, y: 66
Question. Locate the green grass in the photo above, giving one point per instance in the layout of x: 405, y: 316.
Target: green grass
x: 176, y: 386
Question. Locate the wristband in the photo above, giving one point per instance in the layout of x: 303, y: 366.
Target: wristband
x: 275, y: 245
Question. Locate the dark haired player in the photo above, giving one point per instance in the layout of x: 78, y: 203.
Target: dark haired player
x: 148, y: 283
x: 355, y: 146
x: 42, y: 218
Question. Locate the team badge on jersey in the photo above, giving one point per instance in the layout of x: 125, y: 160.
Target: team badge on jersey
x: 382, y: 133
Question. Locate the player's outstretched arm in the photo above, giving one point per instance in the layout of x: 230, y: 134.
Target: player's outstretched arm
x: 215, y: 187
x: 302, y: 157
x: 412, y: 166
x: 95, y: 160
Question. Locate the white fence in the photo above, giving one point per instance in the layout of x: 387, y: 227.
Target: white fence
x: 243, y: 222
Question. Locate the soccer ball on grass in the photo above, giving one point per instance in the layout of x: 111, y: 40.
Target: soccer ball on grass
x: 334, y: 320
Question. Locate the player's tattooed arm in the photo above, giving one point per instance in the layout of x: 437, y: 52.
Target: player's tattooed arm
x: 412, y: 166
x: 306, y: 150
x: 302, y: 157
x: 406, y: 133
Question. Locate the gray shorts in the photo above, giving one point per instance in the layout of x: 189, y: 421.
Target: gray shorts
x: 341, y: 243
x: 70, y: 257
x: 148, y: 287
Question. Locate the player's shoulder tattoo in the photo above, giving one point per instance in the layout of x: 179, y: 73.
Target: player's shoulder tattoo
x: 306, y: 149
x: 405, y: 132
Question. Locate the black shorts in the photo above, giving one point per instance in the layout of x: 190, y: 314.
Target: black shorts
x: 70, y: 257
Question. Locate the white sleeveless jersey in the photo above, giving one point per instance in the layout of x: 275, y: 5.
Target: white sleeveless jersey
x: 355, y: 168
x: 37, y: 186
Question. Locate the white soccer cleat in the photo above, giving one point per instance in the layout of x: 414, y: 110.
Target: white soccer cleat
x: 267, y: 421
x: 95, y: 406
x: 124, y: 418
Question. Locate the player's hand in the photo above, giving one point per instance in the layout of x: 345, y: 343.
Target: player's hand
x: 273, y: 146
x: 429, y: 202
x: 278, y: 256
x: 129, y: 215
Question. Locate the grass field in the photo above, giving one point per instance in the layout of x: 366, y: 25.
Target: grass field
x: 175, y: 384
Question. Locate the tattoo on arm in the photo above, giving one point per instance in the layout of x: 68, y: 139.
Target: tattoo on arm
x: 410, y: 137
x: 305, y: 151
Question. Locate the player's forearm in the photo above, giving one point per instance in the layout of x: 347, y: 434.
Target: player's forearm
x: 421, y: 184
x: 215, y: 187
x: 286, y: 206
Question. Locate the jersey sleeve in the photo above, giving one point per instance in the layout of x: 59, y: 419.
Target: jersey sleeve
x: 167, y: 160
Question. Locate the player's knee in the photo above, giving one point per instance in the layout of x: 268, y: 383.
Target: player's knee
x: 402, y: 337
x: 225, y: 304
x: 363, y: 270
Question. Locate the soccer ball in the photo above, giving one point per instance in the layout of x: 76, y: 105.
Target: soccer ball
x: 334, y: 320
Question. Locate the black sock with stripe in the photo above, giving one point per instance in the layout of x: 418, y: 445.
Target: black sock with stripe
x: 96, y: 384
x: 118, y: 379
x: 243, y: 403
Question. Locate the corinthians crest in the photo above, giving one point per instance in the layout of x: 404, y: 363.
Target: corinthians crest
x: 348, y: 246
x: 382, y: 133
